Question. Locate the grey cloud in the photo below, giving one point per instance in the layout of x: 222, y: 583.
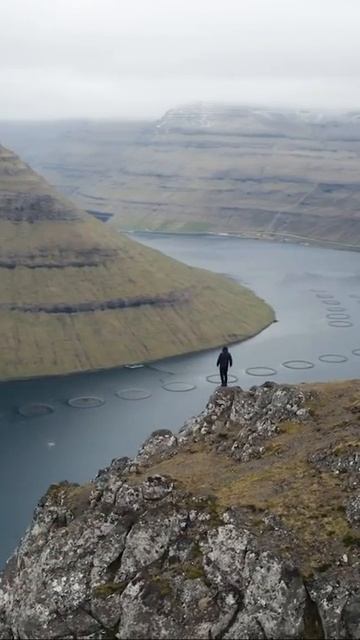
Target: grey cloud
x: 109, y: 58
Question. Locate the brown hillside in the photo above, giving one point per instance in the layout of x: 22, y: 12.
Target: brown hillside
x: 257, y: 172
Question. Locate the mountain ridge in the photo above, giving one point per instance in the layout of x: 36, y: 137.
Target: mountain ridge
x: 267, y: 173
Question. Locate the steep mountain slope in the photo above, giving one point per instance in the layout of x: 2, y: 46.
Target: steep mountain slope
x: 74, y: 296
x: 215, y: 168
x: 246, y: 524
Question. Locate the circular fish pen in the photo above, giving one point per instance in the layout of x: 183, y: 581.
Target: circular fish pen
x: 356, y: 352
x: 340, y: 323
x: 86, y: 402
x: 35, y: 409
x: 333, y: 358
x: 338, y: 316
x: 336, y: 309
x: 178, y: 386
x: 333, y: 303
x: 318, y: 291
x: 215, y: 378
x: 261, y: 372
x: 324, y: 296
x: 298, y: 364
x: 133, y: 394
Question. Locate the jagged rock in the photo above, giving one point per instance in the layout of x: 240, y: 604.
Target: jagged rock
x: 234, y: 588
x: 351, y: 617
x: 142, y: 556
x: 337, y: 597
x: 341, y: 458
x: 156, y: 488
x: 160, y: 443
x: 258, y: 412
x: 353, y: 510
x: 109, y: 480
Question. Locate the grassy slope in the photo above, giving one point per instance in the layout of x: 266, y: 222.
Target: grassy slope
x: 310, y: 501
x: 215, y: 311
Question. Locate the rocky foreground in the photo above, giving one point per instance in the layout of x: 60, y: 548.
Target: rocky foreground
x: 244, y: 525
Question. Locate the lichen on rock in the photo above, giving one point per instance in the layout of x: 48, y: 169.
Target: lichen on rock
x: 165, y: 547
x: 241, y: 422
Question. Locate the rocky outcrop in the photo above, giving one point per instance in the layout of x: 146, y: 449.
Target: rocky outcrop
x: 140, y: 553
x: 247, y: 420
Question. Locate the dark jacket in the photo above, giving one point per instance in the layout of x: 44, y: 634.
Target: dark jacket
x: 224, y: 360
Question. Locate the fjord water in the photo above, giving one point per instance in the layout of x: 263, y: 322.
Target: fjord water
x: 74, y: 443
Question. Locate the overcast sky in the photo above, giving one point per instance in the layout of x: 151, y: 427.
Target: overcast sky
x: 137, y: 58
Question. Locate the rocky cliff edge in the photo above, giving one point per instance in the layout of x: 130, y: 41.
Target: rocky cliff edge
x: 243, y: 525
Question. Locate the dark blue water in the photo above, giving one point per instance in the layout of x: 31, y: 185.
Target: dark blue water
x: 74, y: 443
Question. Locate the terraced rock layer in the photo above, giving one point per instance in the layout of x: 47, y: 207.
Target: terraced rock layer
x: 77, y: 296
x: 257, y: 172
x: 84, y: 307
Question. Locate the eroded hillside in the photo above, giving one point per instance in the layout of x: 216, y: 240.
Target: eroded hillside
x: 77, y: 296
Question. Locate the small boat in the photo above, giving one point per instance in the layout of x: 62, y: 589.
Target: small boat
x: 133, y: 366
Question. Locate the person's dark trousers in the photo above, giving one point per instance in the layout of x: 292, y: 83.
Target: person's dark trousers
x: 223, y: 376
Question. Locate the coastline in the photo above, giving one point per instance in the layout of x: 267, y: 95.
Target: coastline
x: 145, y: 363
x: 273, y: 238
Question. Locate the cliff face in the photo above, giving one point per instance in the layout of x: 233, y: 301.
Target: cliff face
x: 244, y: 525
x: 76, y: 296
x: 211, y: 168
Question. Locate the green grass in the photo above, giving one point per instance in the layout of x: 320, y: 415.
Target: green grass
x: 216, y: 310
x: 109, y: 589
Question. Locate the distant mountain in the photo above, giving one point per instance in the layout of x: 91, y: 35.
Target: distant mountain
x: 76, y: 296
x: 262, y: 122
x: 211, y: 168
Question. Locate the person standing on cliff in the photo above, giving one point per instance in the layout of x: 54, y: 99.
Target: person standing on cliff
x: 223, y: 361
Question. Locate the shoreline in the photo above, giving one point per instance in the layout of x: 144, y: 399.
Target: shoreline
x: 129, y: 365
x: 136, y: 232
x: 281, y: 239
